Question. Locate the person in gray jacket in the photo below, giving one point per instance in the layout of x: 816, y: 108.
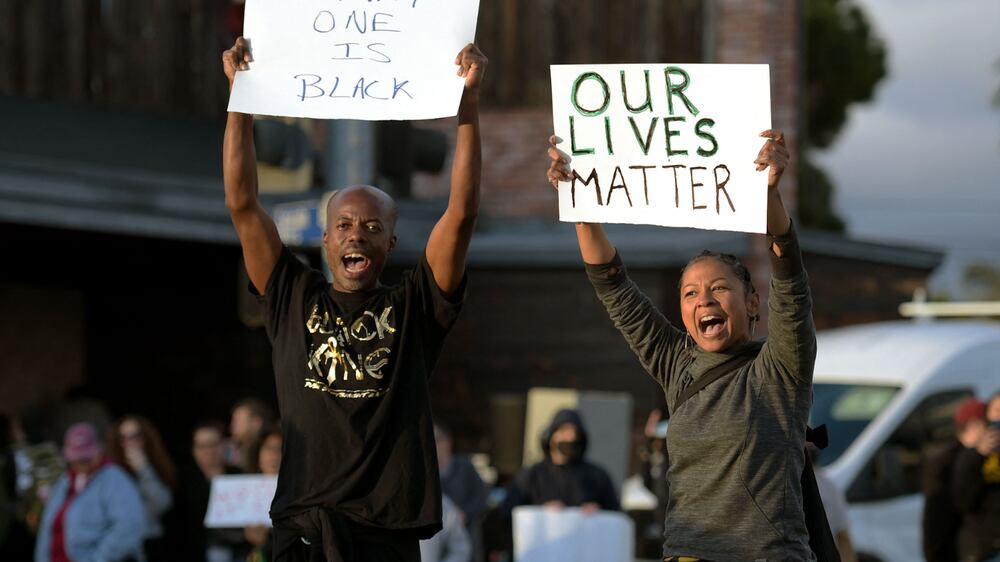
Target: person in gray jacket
x: 736, y: 446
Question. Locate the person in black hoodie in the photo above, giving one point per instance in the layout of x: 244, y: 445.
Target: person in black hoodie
x: 564, y: 478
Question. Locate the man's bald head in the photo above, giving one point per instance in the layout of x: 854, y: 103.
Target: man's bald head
x: 385, y: 202
x: 360, y: 226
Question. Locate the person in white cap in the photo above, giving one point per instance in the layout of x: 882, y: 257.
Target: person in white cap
x: 95, y: 512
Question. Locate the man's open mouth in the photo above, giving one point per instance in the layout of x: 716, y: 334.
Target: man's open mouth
x: 355, y: 263
x: 711, y: 325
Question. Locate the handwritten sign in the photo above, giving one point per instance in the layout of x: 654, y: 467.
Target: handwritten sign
x: 569, y: 535
x: 240, y: 500
x: 354, y: 59
x: 663, y: 144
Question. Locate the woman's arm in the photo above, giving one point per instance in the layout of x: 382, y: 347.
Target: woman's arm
x: 647, y: 331
x: 774, y: 157
x: 595, y: 248
x: 155, y: 493
x: 791, y: 341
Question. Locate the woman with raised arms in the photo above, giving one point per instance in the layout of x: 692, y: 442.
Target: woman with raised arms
x: 737, y: 444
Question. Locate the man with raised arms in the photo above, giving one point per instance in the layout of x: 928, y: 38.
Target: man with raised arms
x: 359, y: 477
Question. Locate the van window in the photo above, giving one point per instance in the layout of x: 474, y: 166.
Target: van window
x: 896, y: 468
x: 846, y: 409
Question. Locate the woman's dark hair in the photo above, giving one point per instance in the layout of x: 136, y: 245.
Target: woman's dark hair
x: 252, y: 460
x: 152, y: 445
x: 740, y: 270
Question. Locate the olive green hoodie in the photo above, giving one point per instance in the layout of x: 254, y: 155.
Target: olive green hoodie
x: 737, y: 446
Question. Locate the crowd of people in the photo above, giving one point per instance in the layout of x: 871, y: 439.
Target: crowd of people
x: 113, y: 491
x: 120, y: 495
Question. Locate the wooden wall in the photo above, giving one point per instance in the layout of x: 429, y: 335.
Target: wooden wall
x: 164, y: 55
x: 523, y: 37
x: 160, y: 55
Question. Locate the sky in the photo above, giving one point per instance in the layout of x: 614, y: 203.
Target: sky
x: 920, y: 163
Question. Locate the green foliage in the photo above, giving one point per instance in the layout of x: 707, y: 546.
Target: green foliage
x: 815, y: 199
x: 844, y: 60
x: 981, y: 281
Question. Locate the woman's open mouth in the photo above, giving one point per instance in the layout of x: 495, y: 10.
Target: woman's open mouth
x: 711, y: 325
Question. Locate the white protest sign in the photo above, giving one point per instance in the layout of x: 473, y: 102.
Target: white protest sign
x: 569, y: 535
x: 354, y: 59
x: 240, y: 500
x: 663, y: 144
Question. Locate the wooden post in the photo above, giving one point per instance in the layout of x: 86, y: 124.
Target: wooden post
x: 10, y: 41
x: 74, y: 49
x: 35, y: 48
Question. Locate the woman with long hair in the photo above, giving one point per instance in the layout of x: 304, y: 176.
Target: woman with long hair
x: 263, y: 457
x: 136, y: 446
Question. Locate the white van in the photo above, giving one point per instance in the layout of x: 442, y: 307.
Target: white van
x: 887, y: 393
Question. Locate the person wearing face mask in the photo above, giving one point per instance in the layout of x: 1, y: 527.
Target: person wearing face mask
x: 563, y: 478
x: 738, y: 407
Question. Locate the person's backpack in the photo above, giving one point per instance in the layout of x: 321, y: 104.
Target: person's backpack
x: 821, y: 540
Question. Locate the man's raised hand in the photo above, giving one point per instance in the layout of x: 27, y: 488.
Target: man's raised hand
x: 236, y: 58
x: 471, y: 66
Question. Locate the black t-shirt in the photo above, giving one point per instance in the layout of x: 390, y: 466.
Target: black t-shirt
x: 351, y: 371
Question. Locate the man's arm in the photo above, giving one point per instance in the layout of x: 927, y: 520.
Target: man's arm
x: 448, y: 244
x: 257, y: 233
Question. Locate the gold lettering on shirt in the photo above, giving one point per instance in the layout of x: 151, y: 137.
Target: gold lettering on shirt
x: 375, y: 361
x: 316, y: 324
x: 335, y: 358
x: 362, y: 327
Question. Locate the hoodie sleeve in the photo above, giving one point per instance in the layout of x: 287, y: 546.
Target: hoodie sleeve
x: 652, y: 337
x: 519, y: 491
x: 609, y: 498
x: 790, y: 351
